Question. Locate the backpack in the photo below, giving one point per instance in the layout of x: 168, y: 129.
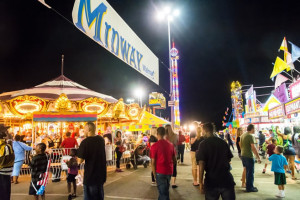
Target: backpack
x: 7, y: 156
x: 264, y: 146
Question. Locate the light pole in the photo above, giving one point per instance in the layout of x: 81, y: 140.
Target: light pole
x: 130, y: 101
x: 167, y: 13
x: 139, y: 93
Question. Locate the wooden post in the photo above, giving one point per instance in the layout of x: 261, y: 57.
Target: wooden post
x: 32, y: 126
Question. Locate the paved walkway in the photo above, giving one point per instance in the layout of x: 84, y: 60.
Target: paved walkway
x: 136, y: 185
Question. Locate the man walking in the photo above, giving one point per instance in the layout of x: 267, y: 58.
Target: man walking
x: 214, y: 157
x: 248, y: 148
x: 92, y: 151
x: 163, y: 156
x: 7, y: 158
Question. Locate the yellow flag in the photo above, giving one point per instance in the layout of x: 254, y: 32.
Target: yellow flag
x: 284, y: 48
x: 279, y: 66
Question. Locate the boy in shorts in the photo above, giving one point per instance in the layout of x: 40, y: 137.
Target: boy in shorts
x: 38, y: 164
x: 279, y: 164
x: 72, y: 173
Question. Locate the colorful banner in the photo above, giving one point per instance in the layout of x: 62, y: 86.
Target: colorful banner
x: 295, y: 89
x: 250, y: 97
x: 281, y: 93
x: 64, y: 117
x: 98, y: 20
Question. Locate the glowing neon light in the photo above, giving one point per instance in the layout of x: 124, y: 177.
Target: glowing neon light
x: 175, y: 87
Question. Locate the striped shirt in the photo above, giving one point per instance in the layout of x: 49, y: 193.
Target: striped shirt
x: 7, y: 158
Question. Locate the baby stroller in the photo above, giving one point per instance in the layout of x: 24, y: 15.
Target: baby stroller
x: 138, y: 157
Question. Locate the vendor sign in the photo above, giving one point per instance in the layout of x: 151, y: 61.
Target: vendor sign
x: 276, y: 112
x: 295, y: 89
x: 157, y: 100
x: 98, y: 20
x: 292, y: 106
x: 250, y: 97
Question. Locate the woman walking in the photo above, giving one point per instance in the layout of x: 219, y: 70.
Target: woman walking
x: 173, y: 138
x: 119, y: 150
x: 195, y: 141
x: 19, y: 149
x: 152, y: 140
x: 289, y: 151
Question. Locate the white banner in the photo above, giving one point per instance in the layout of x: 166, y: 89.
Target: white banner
x: 98, y: 20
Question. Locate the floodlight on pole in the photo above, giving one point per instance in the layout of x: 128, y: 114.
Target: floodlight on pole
x: 192, y: 127
x: 160, y: 16
x: 167, y: 10
x: 139, y: 93
x: 176, y: 12
x: 169, y: 14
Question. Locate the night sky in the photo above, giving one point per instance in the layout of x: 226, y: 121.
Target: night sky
x: 218, y: 42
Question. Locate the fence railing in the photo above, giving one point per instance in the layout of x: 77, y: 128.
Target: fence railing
x: 58, y: 168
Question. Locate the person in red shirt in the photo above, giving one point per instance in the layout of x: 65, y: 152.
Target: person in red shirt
x: 187, y: 141
x: 181, y: 146
x: 69, y: 143
x: 270, y: 151
x: 163, y: 156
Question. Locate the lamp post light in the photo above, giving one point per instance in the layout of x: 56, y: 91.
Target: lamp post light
x: 130, y: 101
x: 169, y: 14
x: 139, y: 93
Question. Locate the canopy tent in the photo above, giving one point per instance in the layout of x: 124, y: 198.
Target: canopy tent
x: 148, y: 121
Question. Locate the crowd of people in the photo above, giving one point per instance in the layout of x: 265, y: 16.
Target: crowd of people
x: 210, y: 155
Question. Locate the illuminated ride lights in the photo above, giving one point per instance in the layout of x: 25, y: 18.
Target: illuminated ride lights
x: 175, y: 87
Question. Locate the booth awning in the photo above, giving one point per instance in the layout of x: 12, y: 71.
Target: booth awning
x: 64, y: 117
x: 148, y: 121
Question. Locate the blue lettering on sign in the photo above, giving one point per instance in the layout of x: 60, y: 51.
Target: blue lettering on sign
x: 114, y: 35
x: 148, y: 71
x: 129, y: 53
x: 107, y: 29
x: 91, y: 17
x: 132, y: 57
x: 139, y: 58
x: 124, y: 50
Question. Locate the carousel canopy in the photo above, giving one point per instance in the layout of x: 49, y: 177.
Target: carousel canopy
x: 51, y: 90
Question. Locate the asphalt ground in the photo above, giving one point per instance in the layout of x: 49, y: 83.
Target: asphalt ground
x: 136, y: 185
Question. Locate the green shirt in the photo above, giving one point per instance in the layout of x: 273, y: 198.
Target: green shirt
x: 246, y: 140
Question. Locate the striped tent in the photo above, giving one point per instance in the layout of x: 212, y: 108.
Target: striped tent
x: 51, y: 90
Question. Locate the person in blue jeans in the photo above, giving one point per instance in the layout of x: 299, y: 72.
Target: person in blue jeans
x: 163, y: 157
x: 92, y: 152
x: 214, y: 158
x: 248, y: 148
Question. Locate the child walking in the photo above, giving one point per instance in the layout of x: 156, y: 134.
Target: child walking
x: 279, y: 165
x: 38, y: 164
x: 270, y: 152
x: 72, y: 173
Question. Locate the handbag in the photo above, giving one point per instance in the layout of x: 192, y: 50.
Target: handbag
x: 122, y: 149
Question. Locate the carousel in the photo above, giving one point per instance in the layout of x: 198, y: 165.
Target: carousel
x: 62, y: 105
